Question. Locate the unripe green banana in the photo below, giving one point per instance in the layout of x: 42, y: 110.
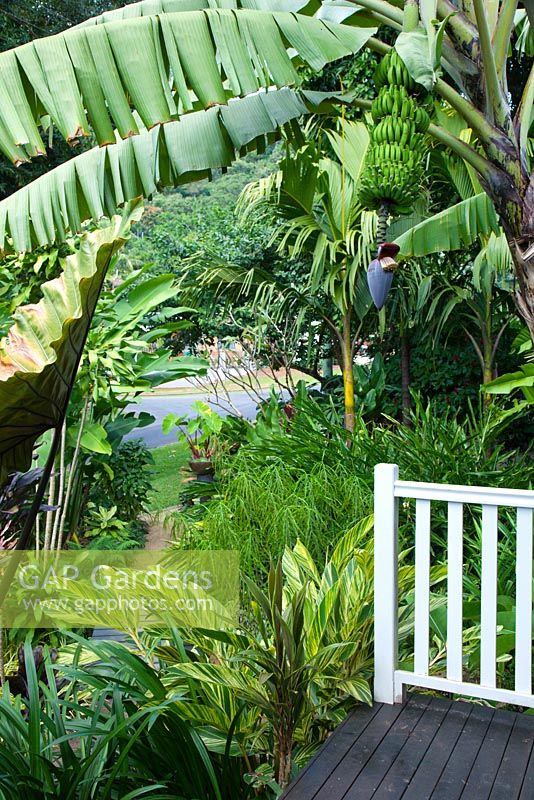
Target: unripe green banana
x: 395, y: 161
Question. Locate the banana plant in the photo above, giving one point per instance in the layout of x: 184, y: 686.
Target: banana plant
x: 98, y: 77
x: 472, y: 220
x: 223, y: 74
x: 468, y: 50
x: 313, y: 201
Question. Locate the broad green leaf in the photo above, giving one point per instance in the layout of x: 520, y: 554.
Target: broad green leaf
x: 61, y: 201
x: 169, y: 422
x: 39, y: 356
x: 92, y: 79
x: 95, y: 439
x: 522, y: 342
x: 452, y: 229
x: 414, y: 49
x: 163, y: 368
x: 126, y: 423
x: 151, y: 293
x: 505, y: 384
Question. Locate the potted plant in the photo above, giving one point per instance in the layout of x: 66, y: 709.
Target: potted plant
x: 202, y: 435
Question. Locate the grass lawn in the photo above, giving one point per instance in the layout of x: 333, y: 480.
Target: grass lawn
x: 168, y: 461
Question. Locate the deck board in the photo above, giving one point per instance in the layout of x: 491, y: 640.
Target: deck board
x: 427, y: 749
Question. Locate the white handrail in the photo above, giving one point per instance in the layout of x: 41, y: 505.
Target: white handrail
x: 474, y: 495
x: 390, y: 682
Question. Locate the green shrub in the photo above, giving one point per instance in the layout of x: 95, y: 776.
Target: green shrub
x: 300, y: 660
x: 259, y: 510
x: 302, y: 479
x: 126, y: 481
x: 111, y: 732
x: 436, y: 446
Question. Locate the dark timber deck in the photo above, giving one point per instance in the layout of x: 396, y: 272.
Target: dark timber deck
x: 428, y: 749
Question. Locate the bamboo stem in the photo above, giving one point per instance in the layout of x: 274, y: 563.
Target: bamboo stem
x: 61, y: 489
x: 72, y: 472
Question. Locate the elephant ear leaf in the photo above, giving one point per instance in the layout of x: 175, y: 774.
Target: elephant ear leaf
x: 40, y: 355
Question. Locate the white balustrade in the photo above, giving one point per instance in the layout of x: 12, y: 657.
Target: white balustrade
x: 390, y: 682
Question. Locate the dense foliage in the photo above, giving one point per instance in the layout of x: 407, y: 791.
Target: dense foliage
x: 270, y: 258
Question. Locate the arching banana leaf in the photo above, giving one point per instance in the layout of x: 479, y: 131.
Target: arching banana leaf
x: 40, y: 355
x: 91, y: 79
x: 452, y: 229
x: 146, y: 8
x: 98, y: 182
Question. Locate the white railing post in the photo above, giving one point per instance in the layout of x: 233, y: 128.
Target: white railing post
x: 385, y: 582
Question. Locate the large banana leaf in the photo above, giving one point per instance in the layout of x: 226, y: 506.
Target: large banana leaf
x: 92, y: 79
x: 99, y: 181
x: 522, y: 380
x: 452, y: 229
x: 146, y: 8
x: 40, y: 355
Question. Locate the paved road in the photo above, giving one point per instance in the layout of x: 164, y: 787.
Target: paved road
x: 160, y: 406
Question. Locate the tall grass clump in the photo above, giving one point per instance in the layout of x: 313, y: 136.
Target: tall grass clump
x: 262, y: 509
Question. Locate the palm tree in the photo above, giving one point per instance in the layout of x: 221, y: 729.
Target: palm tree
x: 313, y: 201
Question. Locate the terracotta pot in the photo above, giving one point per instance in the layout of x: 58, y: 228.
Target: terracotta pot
x: 202, y: 467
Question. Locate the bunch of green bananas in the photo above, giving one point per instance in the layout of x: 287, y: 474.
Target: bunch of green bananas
x: 394, y: 165
x: 392, y: 71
